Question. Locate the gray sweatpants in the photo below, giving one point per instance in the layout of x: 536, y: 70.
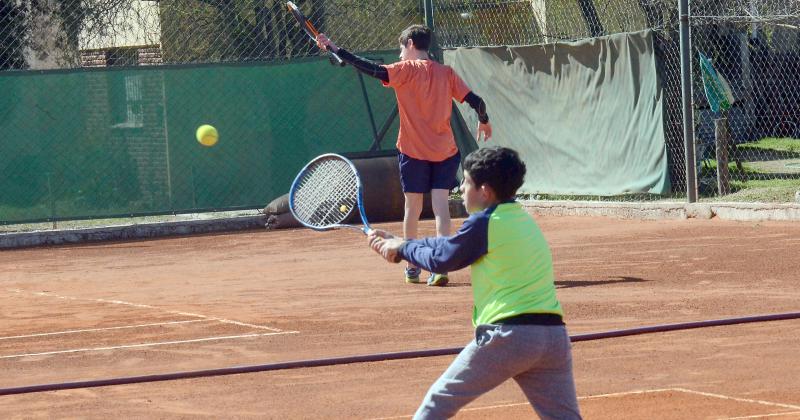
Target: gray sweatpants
x: 539, y: 358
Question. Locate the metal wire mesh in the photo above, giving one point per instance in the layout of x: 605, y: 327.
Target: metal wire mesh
x: 325, y: 193
x: 75, y: 33
x: 101, y: 97
x: 754, y: 44
x: 465, y: 23
x: 751, y: 151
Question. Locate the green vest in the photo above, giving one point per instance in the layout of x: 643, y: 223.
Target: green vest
x: 515, y: 276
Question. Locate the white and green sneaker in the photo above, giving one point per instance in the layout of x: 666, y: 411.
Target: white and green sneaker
x: 412, y: 275
x: 439, y: 280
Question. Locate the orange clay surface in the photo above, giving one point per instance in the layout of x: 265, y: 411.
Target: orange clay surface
x: 136, y: 308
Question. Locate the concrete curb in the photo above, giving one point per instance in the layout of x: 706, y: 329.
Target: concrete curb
x: 642, y: 211
x: 672, y: 211
x: 129, y: 232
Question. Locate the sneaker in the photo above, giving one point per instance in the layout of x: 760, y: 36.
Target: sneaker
x: 412, y: 275
x: 437, y: 280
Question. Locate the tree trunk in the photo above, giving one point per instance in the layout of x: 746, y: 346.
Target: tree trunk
x: 589, y: 13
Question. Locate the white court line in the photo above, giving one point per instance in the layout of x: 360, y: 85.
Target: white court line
x: 139, y: 305
x: 725, y: 397
x: 761, y: 416
x: 617, y: 394
x: 103, y: 329
x: 643, y: 391
x: 622, y: 394
x: 163, y: 343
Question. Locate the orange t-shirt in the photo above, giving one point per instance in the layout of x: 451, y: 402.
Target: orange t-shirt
x: 425, y: 90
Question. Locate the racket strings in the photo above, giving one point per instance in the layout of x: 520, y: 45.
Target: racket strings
x: 326, y: 189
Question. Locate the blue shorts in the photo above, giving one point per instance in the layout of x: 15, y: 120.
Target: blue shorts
x: 422, y: 176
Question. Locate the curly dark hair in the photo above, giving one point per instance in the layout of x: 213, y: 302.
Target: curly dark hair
x: 420, y: 34
x: 497, y: 167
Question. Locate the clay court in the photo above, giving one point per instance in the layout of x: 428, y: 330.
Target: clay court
x: 156, y: 306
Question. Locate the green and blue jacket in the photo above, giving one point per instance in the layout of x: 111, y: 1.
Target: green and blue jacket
x: 512, y: 267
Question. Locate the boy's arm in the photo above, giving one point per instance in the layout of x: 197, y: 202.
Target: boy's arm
x: 443, y: 254
x: 360, y: 63
x: 363, y: 65
x: 477, y: 103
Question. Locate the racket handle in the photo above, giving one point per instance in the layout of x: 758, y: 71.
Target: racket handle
x: 335, y: 59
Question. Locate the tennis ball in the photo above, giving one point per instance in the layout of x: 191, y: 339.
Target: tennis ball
x: 207, y: 135
x: 343, y: 209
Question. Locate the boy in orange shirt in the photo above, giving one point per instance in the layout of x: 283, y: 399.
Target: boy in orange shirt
x: 428, y: 155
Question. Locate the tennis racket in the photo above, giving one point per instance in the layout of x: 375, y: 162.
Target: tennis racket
x: 325, y: 192
x: 309, y: 28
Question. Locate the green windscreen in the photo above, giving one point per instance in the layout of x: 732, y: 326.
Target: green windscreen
x: 110, y: 142
x: 585, y: 116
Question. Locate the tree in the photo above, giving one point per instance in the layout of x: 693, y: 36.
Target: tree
x: 12, y: 35
x: 234, y: 30
x: 589, y: 13
x: 38, y: 31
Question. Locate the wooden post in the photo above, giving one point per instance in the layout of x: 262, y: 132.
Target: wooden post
x: 722, y: 136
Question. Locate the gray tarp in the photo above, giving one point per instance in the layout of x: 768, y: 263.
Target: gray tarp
x: 585, y: 116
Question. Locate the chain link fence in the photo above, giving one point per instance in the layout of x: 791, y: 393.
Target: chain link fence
x: 752, y: 150
x: 68, y: 34
x: 101, y: 98
x: 464, y: 23
x: 755, y: 44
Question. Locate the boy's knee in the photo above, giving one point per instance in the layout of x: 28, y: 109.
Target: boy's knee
x: 413, y: 201
x: 436, y: 407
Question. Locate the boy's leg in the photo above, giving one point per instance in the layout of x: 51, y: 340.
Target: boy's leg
x: 441, y: 211
x: 443, y: 179
x: 415, y: 180
x: 475, y: 371
x: 499, y: 352
x: 413, y: 209
x: 550, y: 385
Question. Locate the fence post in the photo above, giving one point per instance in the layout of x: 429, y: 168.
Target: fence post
x: 434, y: 48
x: 428, y: 5
x: 722, y: 137
x: 686, y: 92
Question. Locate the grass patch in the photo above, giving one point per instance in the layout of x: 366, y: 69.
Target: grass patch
x: 763, y: 191
x: 753, y: 182
x: 709, y: 169
x: 785, y: 144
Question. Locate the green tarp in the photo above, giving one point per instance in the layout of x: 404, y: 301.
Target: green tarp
x: 121, y: 141
x: 586, y: 116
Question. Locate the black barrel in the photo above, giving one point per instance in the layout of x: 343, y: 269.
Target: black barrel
x: 383, y: 195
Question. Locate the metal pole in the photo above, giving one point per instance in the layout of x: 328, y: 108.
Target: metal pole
x: 166, y: 138
x: 369, y: 110
x: 722, y: 137
x: 434, y: 48
x: 686, y: 91
x: 429, y: 13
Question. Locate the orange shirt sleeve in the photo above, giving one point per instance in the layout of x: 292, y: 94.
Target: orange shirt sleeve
x: 458, y: 89
x: 400, y: 73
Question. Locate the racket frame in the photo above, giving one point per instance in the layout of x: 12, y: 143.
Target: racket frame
x: 359, y: 196
x: 309, y: 28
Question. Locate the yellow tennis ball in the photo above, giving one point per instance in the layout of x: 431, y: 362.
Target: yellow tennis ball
x: 207, y: 135
x: 343, y: 209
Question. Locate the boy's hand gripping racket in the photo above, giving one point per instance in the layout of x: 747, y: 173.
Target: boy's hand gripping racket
x: 309, y: 29
x: 325, y: 193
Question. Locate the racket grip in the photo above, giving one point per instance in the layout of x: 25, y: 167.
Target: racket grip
x: 335, y: 59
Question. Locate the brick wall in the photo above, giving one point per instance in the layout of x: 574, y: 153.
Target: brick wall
x: 125, y: 110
